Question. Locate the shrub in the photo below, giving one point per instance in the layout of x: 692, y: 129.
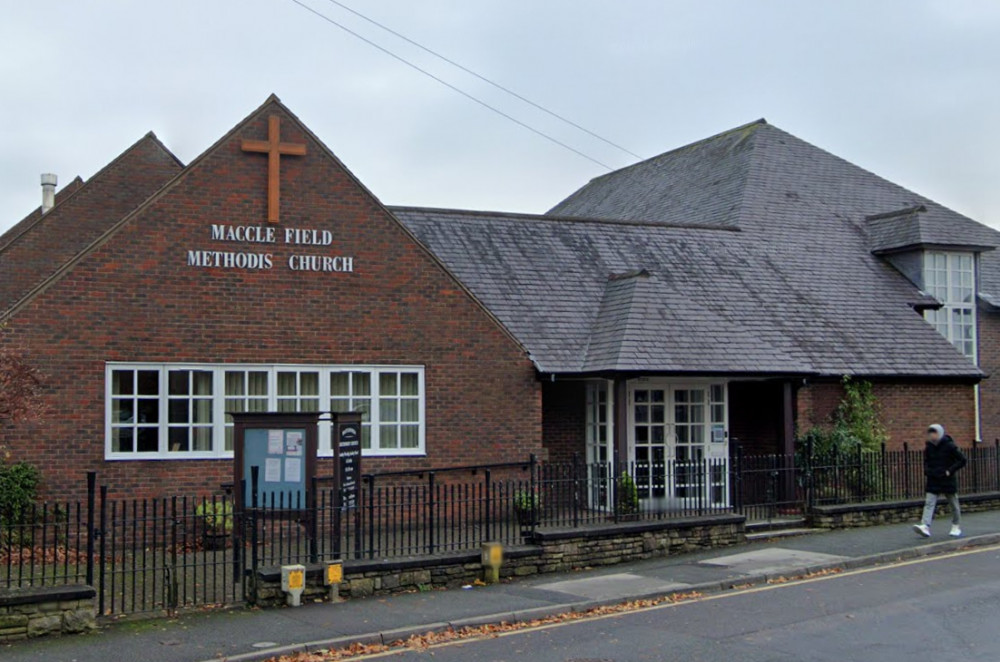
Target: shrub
x: 18, y: 491
x: 217, y: 516
x: 628, y: 495
x: 857, y: 422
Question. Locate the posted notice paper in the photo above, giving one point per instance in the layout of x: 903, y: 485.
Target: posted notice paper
x: 293, y: 470
x: 293, y: 442
x: 272, y: 470
x: 275, y: 442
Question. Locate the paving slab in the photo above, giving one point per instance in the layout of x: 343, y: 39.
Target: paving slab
x: 616, y: 585
x: 771, y: 560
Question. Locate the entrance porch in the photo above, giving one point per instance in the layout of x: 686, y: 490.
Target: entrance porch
x: 676, y: 438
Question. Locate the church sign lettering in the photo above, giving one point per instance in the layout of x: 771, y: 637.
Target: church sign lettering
x: 260, y: 234
x: 274, y: 149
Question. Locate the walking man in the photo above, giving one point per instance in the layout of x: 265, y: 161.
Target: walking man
x: 942, y: 459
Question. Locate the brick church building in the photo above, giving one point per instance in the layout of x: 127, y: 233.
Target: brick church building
x: 711, y: 295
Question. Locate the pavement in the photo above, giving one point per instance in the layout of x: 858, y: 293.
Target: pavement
x: 245, y: 635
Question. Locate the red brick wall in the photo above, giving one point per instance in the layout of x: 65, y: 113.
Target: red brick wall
x: 989, y: 362
x: 135, y: 299
x: 564, y: 411
x: 907, y: 409
x: 81, y: 218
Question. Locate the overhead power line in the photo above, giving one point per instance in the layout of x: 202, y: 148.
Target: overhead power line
x: 454, y: 88
x: 486, y: 80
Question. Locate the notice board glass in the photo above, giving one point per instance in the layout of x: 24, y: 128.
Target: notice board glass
x: 281, y: 448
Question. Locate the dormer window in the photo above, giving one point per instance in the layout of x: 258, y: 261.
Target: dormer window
x: 950, y: 277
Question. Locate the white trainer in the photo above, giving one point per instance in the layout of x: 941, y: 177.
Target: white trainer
x: 956, y: 531
x: 923, y: 530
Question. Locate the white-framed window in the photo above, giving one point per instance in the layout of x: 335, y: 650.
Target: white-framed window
x: 181, y: 411
x: 950, y: 277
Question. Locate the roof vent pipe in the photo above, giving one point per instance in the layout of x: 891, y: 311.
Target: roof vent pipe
x: 49, y: 182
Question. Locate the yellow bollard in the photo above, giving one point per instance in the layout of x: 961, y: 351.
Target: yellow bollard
x: 492, y: 559
x: 333, y: 576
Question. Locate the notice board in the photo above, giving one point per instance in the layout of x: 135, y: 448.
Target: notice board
x: 281, y: 449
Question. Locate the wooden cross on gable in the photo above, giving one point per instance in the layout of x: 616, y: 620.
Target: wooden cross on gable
x: 274, y: 149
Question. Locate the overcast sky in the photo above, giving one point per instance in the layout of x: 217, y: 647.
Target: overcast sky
x: 909, y: 89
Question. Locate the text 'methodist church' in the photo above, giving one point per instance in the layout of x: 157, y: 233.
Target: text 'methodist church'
x: 712, y: 295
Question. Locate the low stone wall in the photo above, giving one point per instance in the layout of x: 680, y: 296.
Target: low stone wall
x: 551, y: 550
x: 894, y: 512
x: 43, y: 611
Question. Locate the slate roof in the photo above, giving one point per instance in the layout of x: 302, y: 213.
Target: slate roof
x: 918, y: 226
x: 759, y: 264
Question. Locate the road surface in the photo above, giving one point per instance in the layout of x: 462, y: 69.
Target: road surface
x: 940, y: 609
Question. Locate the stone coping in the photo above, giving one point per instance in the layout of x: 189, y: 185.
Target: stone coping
x: 273, y: 573
x: 42, y: 594
x: 841, y: 508
x: 638, y: 527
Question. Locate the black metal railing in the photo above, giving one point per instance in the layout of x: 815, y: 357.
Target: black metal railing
x: 146, y: 554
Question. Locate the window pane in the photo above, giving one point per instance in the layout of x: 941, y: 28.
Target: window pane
x: 148, y: 382
x: 177, y: 411
x: 718, y: 413
x: 257, y: 404
x: 121, y: 411
x: 409, y: 436
x: 410, y: 411
x: 122, y: 382
x: 697, y: 414
x: 388, y: 411
x: 339, y: 383
x: 202, y: 439
x: 202, y: 382
x: 718, y: 393
x: 177, y: 382
x: 287, y: 383
x: 309, y: 404
x: 286, y: 405
x: 408, y: 384
x: 362, y: 383
x: 364, y: 407
x: 657, y: 413
x: 387, y: 383
x: 309, y: 383
x: 229, y: 439
x: 149, y: 410
x: 388, y: 437
x: 234, y: 404
x: 202, y: 411
x: 178, y: 440
x: 257, y: 383
x: 148, y: 440
x: 121, y: 440
x: 339, y: 404
x: 235, y: 383
x: 366, y: 437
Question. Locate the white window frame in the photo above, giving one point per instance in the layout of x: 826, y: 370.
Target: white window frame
x: 952, y: 267
x: 219, y: 397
